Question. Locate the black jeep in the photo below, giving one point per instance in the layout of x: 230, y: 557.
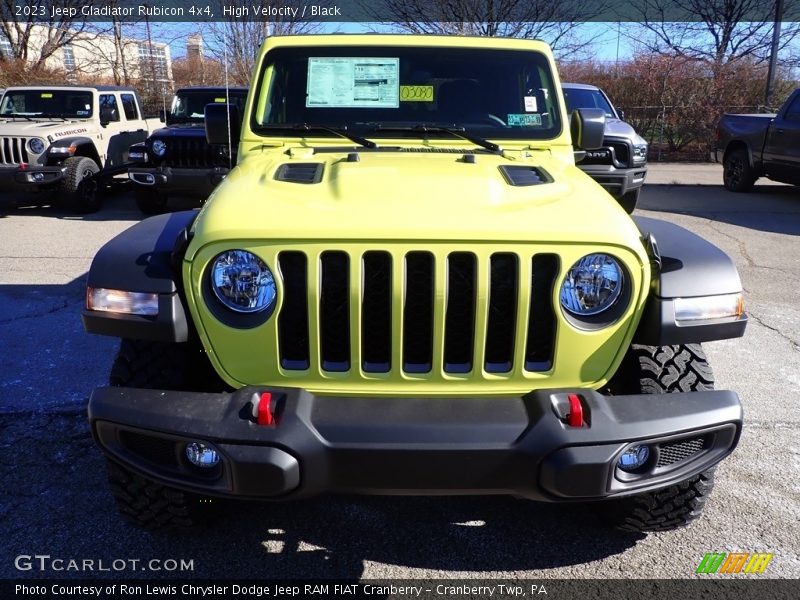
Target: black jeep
x: 177, y: 159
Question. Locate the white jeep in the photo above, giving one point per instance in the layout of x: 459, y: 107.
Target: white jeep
x: 69, y: 139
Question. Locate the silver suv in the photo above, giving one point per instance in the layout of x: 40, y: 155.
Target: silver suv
x: 621, y: 164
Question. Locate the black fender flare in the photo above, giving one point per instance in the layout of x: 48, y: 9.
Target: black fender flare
x: 144, y: 258
x: 84, y: 147
x: 686, y: 266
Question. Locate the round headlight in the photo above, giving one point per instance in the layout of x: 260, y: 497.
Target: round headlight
x: 159, y: 147
x: 243, y: 282
x: 36, y: 145
x: 592, y: 285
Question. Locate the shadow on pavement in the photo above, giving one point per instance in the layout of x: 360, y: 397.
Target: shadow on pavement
x: 770, y: 208
x: 55, y: 501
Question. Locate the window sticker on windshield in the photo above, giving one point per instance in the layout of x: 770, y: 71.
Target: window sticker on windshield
x: 530, y: 103
x: 416, y: 93
x: 47, y: 95
x: 344, y: 82
x: 523, y: 120
x: 218, y: 100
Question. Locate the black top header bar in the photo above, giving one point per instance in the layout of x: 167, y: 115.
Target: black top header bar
x: 389, y: 11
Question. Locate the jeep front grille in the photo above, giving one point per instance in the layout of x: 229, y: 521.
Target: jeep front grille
x: 190, y: 152
x: 451, y: 311
x: 13, y: 150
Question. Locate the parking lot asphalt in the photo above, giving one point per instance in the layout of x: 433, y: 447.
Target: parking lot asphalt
x: 54, y: 498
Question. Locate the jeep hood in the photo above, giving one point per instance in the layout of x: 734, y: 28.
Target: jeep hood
x: 411, y: 197
x: 43, y: 129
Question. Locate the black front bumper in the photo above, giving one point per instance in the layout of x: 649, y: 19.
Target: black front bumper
x: 31, y: 178
x: 190, y: 181
x: 520, y: 446
x: 616, y: 181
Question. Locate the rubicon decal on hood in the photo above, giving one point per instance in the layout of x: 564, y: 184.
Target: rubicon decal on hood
x: 70, y: 132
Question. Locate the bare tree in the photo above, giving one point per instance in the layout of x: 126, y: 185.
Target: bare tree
x: 548, y: 20
x: 35, y: 34
x: 713, y: 31
x: 236, y: 42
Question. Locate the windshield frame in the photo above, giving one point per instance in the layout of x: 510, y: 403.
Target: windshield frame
x: 529, y: 59
x: 76, y: 93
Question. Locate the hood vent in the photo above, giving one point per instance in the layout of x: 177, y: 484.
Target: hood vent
x: 300, y: 172
x: 524, y: 176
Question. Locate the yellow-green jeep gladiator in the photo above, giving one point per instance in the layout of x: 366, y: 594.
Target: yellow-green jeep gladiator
x: 405, y: 286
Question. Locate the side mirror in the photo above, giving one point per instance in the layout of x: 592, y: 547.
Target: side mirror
x: 162, y: 115
x: 587, y: 126
x: 105, y: 116
x: 217, y: 117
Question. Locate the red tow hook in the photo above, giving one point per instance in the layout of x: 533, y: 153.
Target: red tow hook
x: 263, y: 411
x: 575, y: 416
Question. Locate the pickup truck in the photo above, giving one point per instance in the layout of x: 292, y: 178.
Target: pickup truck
x: 406, y: 286
x: 70, y: 140
x: 753, y: 146
x: 177, y: 159
x: 620, y: 165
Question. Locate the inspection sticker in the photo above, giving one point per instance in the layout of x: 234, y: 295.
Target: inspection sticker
x: 523, y: 120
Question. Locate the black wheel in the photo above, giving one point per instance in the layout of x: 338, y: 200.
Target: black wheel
x: 157, y: 365
x: 629, y: 200
x: 658, y: 370
x: 149, y: 200
x: 80, y: 186
x: 737, y: 174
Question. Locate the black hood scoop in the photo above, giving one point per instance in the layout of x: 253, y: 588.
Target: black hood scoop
x: 521, y: 175
x: 300, y: 172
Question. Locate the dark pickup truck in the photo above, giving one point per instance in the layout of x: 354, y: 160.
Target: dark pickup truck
x: 753, y: 146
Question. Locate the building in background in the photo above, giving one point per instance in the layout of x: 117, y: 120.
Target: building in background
x: 99, y: 57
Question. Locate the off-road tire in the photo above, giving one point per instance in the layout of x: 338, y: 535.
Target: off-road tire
x: 149, y: 200
x: 168, y: 366
x: 80, y: 187
x: 629, y: 200
x: 156, y: 507
x: 664, y: 510
x: 164, y: 366
x: 658, y: 370
x: 737, y: 174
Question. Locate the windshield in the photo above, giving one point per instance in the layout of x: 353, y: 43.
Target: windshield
x: 66, y: 104
x: 190, y: 105
x: 378, y: 91
x: 580, y: 98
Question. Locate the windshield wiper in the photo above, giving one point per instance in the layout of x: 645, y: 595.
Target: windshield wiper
x: 459, y: 132
x: 17, y: 116
x: 340, y: 131
x: 51, y: 116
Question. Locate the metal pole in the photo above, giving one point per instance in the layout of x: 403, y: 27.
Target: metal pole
x: 773, y: 53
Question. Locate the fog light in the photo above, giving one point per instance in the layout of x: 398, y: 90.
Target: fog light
x: 201, y: 454
x: 633, y: 458
x: 37, y: 177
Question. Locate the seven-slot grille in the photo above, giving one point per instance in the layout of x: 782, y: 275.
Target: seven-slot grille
x: 190, y: 152
x: 13, y: 150
x: 419, y: 312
